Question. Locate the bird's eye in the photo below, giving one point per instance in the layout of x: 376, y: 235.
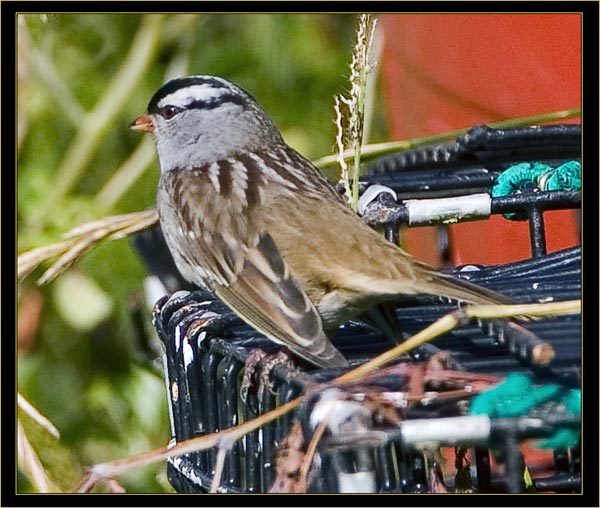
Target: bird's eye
x: 169, y: 112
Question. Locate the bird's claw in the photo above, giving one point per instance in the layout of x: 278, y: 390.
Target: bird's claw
x: 258, y: 369
x: 251, y: 368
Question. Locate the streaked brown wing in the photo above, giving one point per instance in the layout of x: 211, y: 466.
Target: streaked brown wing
x: 211, y: 217
x: 266, y: 296
x: 216, y: 233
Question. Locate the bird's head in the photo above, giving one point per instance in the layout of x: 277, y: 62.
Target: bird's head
x: 199, y: 119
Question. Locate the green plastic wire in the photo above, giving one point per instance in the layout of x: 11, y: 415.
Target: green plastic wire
x: 536, y: 175
x: 517, y: 396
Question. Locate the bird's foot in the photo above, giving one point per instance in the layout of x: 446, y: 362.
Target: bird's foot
x: 270, y: 363
x: 251, y: 369
x: 257, y: 372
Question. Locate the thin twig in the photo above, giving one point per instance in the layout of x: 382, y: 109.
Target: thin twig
x: 30, y: 464
x: 453, y: 319
x: 115, y: 487
x: 38, y: 417
x: 88, y: 482
x: 311, y: 450
x: 223, y: 448
x: 113, y: 468
x: 442, y: 325
x: 372, y: 151
x: 80, y: 240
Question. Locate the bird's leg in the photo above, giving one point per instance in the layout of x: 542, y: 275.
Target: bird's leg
x: 270, y: 363
x: 258, y: 369
x: 251, y: 368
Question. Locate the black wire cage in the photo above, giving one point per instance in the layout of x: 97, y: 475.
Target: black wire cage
x: 393, y: 447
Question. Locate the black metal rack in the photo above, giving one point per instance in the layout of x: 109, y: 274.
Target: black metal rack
x: 206, y: 345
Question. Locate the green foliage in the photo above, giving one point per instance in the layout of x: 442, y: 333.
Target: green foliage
x: 94, y: 385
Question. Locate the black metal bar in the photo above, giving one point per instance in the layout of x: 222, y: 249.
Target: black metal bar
x: 193, y: 371
x: 482, y: 144
x: 483, y: 136
x: 253, y: 451
x: 229, y: 369
x: 328, y: 481
x: 252, y: 457
x: 196, y: 407
x: 386, y: 477
x: 561, y: 461
x: 554, y: 200
x: 537, y: 232
x: 484, y: 472
x: 364, y: 459
x: 210, y: 363
x: 419, y: 474
x: 559, y: 483
x: 513, y: 464
x: 173, y: 373
x: 288, y: 391
x: 392, y: 233
x: 432, y: 184
x: 181, y: 483
x: 182, y: 394
x: 268, y: 442
x: 576, y: 460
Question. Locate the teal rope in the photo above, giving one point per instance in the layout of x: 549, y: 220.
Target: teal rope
x: 517, y: 396
x: 536, y: 175
x: 567, y: 177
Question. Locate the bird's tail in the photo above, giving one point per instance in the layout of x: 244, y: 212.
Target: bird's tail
x: 459, y: 289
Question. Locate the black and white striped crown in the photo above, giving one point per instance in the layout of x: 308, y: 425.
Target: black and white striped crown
x: 198, y: 92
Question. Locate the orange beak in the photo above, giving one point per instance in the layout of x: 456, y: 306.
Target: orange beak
x: 143, y: 123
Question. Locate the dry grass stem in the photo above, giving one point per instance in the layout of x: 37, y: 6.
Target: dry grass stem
x: 454, y: 319
x: 352, y: 133
x: 28, y: 261
x: 311, y: 450
x: 372, y: 151
x: 80, y: 240
x: 223, y: 448
x: 523, y: 310
x: 339, y: 140
x: 99, y: 472
x: 30, y: 464
x: 39, y: 418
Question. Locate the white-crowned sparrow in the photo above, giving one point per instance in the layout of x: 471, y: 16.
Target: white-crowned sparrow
x: 249, y: 218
